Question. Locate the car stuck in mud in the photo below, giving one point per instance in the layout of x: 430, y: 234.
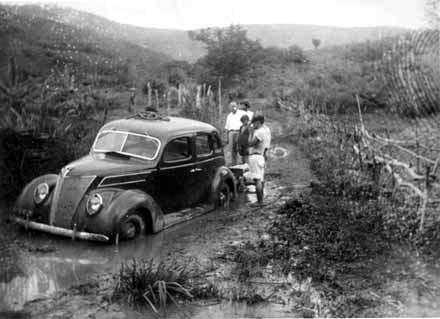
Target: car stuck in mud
x: 138, y: 169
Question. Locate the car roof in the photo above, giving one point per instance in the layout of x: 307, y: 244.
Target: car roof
x: 163, y: 128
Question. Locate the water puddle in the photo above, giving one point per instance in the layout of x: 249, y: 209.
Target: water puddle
x: 69, y: 262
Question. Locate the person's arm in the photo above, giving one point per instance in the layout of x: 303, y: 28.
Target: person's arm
x: 253, y: 137
x: 265, y: 153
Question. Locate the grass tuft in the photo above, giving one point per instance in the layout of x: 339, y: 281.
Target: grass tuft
x: 154, y: 284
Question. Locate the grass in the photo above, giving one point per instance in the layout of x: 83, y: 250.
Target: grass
x: 153, y: 284
x: 333, y: 236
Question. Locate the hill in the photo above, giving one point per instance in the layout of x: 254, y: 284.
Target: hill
x: 174, y: 43
x: 284, y: 35
x: 178, y: 45
x: 40, y: 45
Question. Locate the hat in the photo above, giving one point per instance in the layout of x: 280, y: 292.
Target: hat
x: 246, y: 104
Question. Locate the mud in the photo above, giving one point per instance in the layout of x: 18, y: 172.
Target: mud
x: 52, y: 265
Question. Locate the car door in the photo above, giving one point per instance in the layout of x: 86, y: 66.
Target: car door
x: 208, y: 159
x: 175, y: 175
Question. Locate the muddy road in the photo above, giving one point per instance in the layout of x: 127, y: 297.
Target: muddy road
x: 52, y: 264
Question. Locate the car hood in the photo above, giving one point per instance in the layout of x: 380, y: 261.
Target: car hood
x: 105, y: 165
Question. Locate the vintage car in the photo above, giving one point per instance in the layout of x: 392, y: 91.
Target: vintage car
x: 138, y: 169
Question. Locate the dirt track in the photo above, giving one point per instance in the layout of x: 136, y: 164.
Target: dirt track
x: 54, y: 264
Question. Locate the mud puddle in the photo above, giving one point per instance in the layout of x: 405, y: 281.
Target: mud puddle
x: 52, y: 264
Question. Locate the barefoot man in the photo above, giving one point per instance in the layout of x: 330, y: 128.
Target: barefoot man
x: 259, y: 142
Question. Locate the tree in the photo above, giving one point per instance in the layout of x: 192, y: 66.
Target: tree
x: 230, y: 55
x: 316, y: 42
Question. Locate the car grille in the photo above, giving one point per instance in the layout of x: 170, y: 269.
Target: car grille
x: 67, y: 195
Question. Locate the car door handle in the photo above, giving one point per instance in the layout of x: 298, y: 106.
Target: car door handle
x: 196, y: 170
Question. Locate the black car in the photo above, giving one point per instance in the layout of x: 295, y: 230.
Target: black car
x: 138, y: 169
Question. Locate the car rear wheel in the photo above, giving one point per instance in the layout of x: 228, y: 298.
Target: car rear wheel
x: 132, y: 226
x: 223, y: 196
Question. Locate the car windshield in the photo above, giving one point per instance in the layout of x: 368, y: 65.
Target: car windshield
x: 131, y: 144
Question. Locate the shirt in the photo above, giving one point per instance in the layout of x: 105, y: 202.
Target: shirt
x: 243, y: 140
x: 250, y: 114
x: 263, y: 136
x: 233, y: 122
x: 268, y: 135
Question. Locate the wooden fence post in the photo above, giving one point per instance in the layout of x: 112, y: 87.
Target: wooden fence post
x: 149, y: 94
x: 168, y: 102
x: 198, y: 99
x: 220, y: 111
x: 179, y: 95
x: 156, y: 93
x: 425, y: 196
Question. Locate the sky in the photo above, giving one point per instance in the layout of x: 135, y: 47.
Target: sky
x: 193, y: 14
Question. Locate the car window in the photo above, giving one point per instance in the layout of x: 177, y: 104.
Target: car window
x: 139, y: 145
x: 177, y: 150
x: 136, y: 145
x: 204, y: 145
x: 109, y: 141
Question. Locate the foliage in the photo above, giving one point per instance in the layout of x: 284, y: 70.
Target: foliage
x: 230, y: 54
x: 153, y: 284
x: 178, y: 72
x: 42, y: 119
x: 158, y: 84
x: 283, y: 56
x: 316, y: 42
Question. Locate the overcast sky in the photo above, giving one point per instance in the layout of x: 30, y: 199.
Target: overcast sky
x: 191, y: 14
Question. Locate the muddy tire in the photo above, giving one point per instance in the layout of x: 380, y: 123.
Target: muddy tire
x: 132, y: 226
x: 224, y: 196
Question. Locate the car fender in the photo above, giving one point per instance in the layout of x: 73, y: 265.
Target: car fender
x: 26, y: 198
x: 130, y: 200
x: 223, y: 174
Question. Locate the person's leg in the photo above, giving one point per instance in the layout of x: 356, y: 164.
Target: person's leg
x: 259, y: 188
x: 234, y: 150
x: 231, y: 146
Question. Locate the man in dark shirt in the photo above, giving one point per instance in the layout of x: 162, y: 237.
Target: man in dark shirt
x: 243, y: 139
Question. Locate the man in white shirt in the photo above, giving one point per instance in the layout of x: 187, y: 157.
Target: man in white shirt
x: 259, y: 142
x: 232, y: 127
x: 247, y: 108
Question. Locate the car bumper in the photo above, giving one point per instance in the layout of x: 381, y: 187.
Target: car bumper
x: 61, y: 231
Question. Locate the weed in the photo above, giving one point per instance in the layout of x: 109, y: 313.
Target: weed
x: 154, y: 284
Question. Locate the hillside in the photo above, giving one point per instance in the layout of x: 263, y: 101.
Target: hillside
x: 284, y: 35
x: 174, y: 43
x: 40, y: 45
x: 178, y: 45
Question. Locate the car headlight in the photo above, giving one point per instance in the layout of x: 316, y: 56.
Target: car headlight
x: 41, y: 193
x: 94, y: 204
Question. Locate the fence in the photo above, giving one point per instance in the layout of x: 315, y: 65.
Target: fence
x: 396, y: 158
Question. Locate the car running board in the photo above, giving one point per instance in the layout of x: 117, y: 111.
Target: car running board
x: 187, y: 214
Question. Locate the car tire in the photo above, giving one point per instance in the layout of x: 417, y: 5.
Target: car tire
x: 132, y: 225
x: 223, y: 198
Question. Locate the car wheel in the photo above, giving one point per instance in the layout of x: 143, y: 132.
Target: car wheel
x: 132, y: 225
x: 224, y: 196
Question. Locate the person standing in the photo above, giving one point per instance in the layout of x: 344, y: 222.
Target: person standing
x: 232, y: 128
x: 247, y: 109
x: 243, y: 139
x: 259, y: 142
